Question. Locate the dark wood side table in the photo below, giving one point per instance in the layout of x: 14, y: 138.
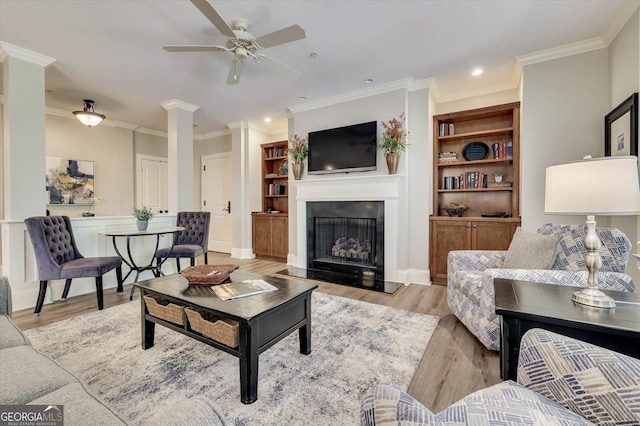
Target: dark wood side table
x: 524, y: 305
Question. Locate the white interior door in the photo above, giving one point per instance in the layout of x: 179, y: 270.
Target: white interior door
x: 216, y: 198
x: 153, y: 183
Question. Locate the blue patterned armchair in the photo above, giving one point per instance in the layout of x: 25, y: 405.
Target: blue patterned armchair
x: 561, y: 381
x: 470, y: 275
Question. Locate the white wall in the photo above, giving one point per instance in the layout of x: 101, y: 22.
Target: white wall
x: 624, y: 79
x: 110, y: 148
x: 564, y: 104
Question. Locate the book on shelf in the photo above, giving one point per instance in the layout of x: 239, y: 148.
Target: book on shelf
x: 502, y: 150
x: 469, y: 180
x: 447, y: 157
x: 236, y: 290
x: 445, y: 129
x: 276, y: 189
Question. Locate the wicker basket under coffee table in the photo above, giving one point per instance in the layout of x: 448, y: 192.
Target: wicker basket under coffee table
x: 242, y: 327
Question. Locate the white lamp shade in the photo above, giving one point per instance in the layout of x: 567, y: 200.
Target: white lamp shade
x: 89, y: 118
x: 598, y: 186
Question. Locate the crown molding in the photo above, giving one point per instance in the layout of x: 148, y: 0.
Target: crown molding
x: 106, y: 122
x: 238, y: 125
x: 562, y: 51
x: 414, y: 85
x: 357, y: 94
x: 627, y: 9
x: 9, y: 50
x: 151, y: 132
x: 176, y: 104
x: 211, y: 135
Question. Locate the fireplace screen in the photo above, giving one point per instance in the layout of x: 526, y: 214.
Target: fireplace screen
x: 345, y: 240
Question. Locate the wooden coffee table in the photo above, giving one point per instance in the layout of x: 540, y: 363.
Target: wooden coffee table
x: 264, y: 319
x: 524, y: 305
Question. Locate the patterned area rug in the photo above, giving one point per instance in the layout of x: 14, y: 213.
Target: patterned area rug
x: 354, y: 346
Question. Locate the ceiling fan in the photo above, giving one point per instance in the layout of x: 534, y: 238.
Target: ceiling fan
x: 243, y: 44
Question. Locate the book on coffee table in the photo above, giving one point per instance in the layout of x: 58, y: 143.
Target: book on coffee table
x: 244, y: 288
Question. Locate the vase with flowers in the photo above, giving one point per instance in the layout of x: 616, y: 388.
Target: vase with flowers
x: 298, y: 152
x: 142, y: 215
x: 394, y: 141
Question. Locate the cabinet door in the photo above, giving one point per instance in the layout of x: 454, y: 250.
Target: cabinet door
x: 279, y: 237
x: 262, y: 235
x: 445, y: 237
x: 491, y: 235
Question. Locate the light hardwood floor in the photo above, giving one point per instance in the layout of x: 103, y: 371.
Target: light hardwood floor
x: 453, y: 365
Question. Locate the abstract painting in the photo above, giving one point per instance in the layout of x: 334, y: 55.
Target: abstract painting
x: 69, y: 181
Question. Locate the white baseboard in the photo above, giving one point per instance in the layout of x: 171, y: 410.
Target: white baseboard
x: 242, y: 253
x: 415, y: 276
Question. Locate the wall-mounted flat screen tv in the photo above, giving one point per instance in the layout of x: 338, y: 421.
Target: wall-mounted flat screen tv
x: 344, y: 149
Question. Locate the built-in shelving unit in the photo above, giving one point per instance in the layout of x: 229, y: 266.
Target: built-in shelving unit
x: 493, y: 208
x: 270, y: 226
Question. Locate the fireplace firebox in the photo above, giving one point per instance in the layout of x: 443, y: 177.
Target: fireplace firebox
x: 347, y: 237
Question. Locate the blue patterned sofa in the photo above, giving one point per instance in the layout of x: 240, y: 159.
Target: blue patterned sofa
x: 470, y: 275
x: 561, y: 381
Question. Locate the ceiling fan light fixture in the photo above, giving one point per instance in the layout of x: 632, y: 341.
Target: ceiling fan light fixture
x: 88, y: 116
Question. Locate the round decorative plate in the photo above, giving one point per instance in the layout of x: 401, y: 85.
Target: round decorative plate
x: 475, y: 151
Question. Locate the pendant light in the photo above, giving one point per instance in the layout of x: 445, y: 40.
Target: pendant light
x: 88, y: 116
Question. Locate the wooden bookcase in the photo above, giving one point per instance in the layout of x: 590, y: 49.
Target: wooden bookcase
x: 476, y: 230
x: 270, y: 226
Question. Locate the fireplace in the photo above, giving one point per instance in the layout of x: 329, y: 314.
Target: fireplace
x: 347, y: 237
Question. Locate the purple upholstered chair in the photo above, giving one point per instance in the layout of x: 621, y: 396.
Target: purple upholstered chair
x: 190, y: 243
x: 58, y: 258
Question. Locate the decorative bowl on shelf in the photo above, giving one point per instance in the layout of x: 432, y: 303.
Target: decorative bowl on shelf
x: 454, y: 209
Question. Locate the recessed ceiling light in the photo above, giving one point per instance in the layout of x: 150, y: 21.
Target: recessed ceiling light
x: 369, y: 80
x: 477, y: 71
x: 267, y: 119
x: 303, y: 98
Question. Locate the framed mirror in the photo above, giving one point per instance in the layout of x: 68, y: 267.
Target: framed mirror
x: 621, y: 129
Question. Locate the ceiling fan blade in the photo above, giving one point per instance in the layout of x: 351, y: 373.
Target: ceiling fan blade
x: 285, y: 35
x: 194, y: 48
x: 278, y: 67
x: 207, y: 10
x: 235, y: 70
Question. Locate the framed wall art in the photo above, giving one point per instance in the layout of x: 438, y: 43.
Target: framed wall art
x: 69, y: 181
x: 621, y: 129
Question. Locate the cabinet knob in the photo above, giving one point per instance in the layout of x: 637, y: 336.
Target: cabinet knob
x: 468, y: 226
x: 474, y: 226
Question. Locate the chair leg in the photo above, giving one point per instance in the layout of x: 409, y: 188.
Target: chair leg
x: 206, y: 259
x: 178, y: 263
x: 40, y: 302
x: 99, y: 293
x: 65, y: 292
x: 193, y: 261
x: 120, y: 289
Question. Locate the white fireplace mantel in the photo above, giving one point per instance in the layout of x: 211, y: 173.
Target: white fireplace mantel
x: 387, y: 188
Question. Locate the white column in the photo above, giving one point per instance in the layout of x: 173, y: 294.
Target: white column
x: 241, y: 237
x: 24, y: 131
x: 23, y: 164
x: 180, y: 155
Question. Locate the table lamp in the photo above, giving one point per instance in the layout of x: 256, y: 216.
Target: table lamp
x: 606, y: 186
